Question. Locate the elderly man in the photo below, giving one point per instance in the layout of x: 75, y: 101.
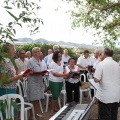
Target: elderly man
x: 21, y: 62
x: 94, y: 58
x: 28, y: 55
x: 65, y: 57
x: 55, y: 48
x: 46, y: 57
x: 107, y: 74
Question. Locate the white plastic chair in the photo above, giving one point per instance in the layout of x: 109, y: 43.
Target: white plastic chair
x: 84, y: 90
x: 63, y: 92
x: 27, y: 105
x: 10, y: 109
x: 25, y: 82
x: 48, y: 95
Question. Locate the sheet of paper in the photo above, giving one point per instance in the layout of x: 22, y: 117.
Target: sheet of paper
x: 94, y: 84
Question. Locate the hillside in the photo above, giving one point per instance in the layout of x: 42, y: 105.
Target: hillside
x: 66, y: 44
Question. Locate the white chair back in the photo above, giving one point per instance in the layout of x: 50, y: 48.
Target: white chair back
x: 25, y: 82
x: 20, y: 87
x: 9, y: 109
x: 83, y: 76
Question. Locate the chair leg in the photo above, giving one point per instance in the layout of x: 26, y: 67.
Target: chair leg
x: 47, y: 101
x: 90, y: 94
x: 26, y: 114
x: 64, y: 95
x: 80, y: 97
x: 59, y: 103
x: 40, y: 106
x: 33, y: 113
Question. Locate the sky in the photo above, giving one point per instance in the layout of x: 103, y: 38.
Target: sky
x: 57, y: 24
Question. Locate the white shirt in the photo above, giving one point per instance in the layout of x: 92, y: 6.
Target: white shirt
x: 65, y: 58
x: 49, y: 59
x: 83, y: 62
x: 108, y: 72
x: 22, y: 66
x: 56, y: 68
x: 95, y: 64
x: 43, y: 65
x: 92, y: 60
x: 72, y: 80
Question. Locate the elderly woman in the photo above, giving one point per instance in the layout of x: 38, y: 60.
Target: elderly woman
x: 7, y: 70
x: 8, y: 73
x: 35, y: 90
x: 72, y: 84
x: 56, y: 79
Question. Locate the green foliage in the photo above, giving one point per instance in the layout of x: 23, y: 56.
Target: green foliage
x: 116, y: 55
x: 101, y: 16
x: 44, y: 48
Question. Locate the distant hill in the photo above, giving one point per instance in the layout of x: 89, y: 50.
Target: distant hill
x: 67, y: 44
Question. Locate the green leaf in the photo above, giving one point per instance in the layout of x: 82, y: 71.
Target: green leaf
x: 14, y: 104
x: 13, y: 16
x: 7, y: 7
x: 10, y: 23
x: 14, y: 31
x: 36, y: 28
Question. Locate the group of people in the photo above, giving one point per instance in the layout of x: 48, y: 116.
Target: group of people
x: 107, y: 73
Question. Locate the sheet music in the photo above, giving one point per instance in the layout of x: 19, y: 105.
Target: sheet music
x: 94, y: 84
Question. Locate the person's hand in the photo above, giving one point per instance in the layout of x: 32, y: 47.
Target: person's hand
x: 31, y: 72
x: 86, y: 66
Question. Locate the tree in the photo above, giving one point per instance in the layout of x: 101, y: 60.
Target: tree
x: 26, y: 15
x: 101, y: 15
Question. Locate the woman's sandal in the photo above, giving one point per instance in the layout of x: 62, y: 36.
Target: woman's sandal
x: 38, y: 115
x: 51, y: 113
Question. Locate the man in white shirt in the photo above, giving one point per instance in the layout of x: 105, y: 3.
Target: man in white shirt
x: 65, y: 57
x: 43, y: 64
x: 107, y: 74
x: 55, y: 48
x: 21, y: 62
x: 46, y: 57
x: 83, y: 61
x: 94, y: 58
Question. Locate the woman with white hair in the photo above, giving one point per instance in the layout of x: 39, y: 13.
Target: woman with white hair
x: 35, y: 89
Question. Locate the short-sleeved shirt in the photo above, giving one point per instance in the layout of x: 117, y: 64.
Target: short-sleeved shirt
x: 9, y: 69
x: 72, y: 80
x: 49, y: 59
x: 108, y: 72
x: 92, y: 60
x: 22, y: 66
x: 56, y: 68
x: 43, y: 65
x: 65, y: 58
x: 83, y: 62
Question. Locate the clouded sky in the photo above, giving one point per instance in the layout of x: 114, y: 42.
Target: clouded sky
x: 57, y: 24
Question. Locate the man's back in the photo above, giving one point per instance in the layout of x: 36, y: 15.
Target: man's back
x: 109, y: 74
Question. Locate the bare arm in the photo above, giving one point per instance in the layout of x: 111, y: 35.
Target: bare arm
x: 82, y: 66
x: 59, y: 74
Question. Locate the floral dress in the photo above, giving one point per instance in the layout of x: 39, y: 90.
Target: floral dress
x: 7, y: 68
